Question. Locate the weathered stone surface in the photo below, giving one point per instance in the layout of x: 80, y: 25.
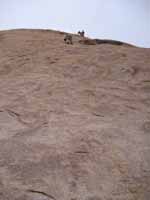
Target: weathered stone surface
x: 74, y: 119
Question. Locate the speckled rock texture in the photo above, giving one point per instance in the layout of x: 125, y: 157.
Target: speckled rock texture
x: 74, y: 119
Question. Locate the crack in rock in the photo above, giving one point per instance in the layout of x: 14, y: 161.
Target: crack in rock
x: 43, y: 193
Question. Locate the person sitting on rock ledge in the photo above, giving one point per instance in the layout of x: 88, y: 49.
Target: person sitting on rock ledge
x: 81, y: 33
x: 68, y: 39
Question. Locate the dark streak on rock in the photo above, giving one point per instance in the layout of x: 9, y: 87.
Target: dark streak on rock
x: 97, y: 115
x: 40, y: 192
x: 12, y: 113
x: 82, y: 152
x: 131, y: 107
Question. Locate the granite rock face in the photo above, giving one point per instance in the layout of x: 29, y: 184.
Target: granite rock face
x: 74, y: 119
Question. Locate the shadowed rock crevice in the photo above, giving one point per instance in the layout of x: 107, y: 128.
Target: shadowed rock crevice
x: 41, y: 193
x: 102, y: 41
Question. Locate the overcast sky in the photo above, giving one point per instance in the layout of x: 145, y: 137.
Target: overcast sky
x: 126, y: 20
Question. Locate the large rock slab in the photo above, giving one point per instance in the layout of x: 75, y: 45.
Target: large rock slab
x: 74, y: 119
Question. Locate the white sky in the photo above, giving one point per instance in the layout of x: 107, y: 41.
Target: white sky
x: 126, y: 20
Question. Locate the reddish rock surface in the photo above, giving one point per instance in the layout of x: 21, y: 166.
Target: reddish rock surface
x: 74, y: 119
